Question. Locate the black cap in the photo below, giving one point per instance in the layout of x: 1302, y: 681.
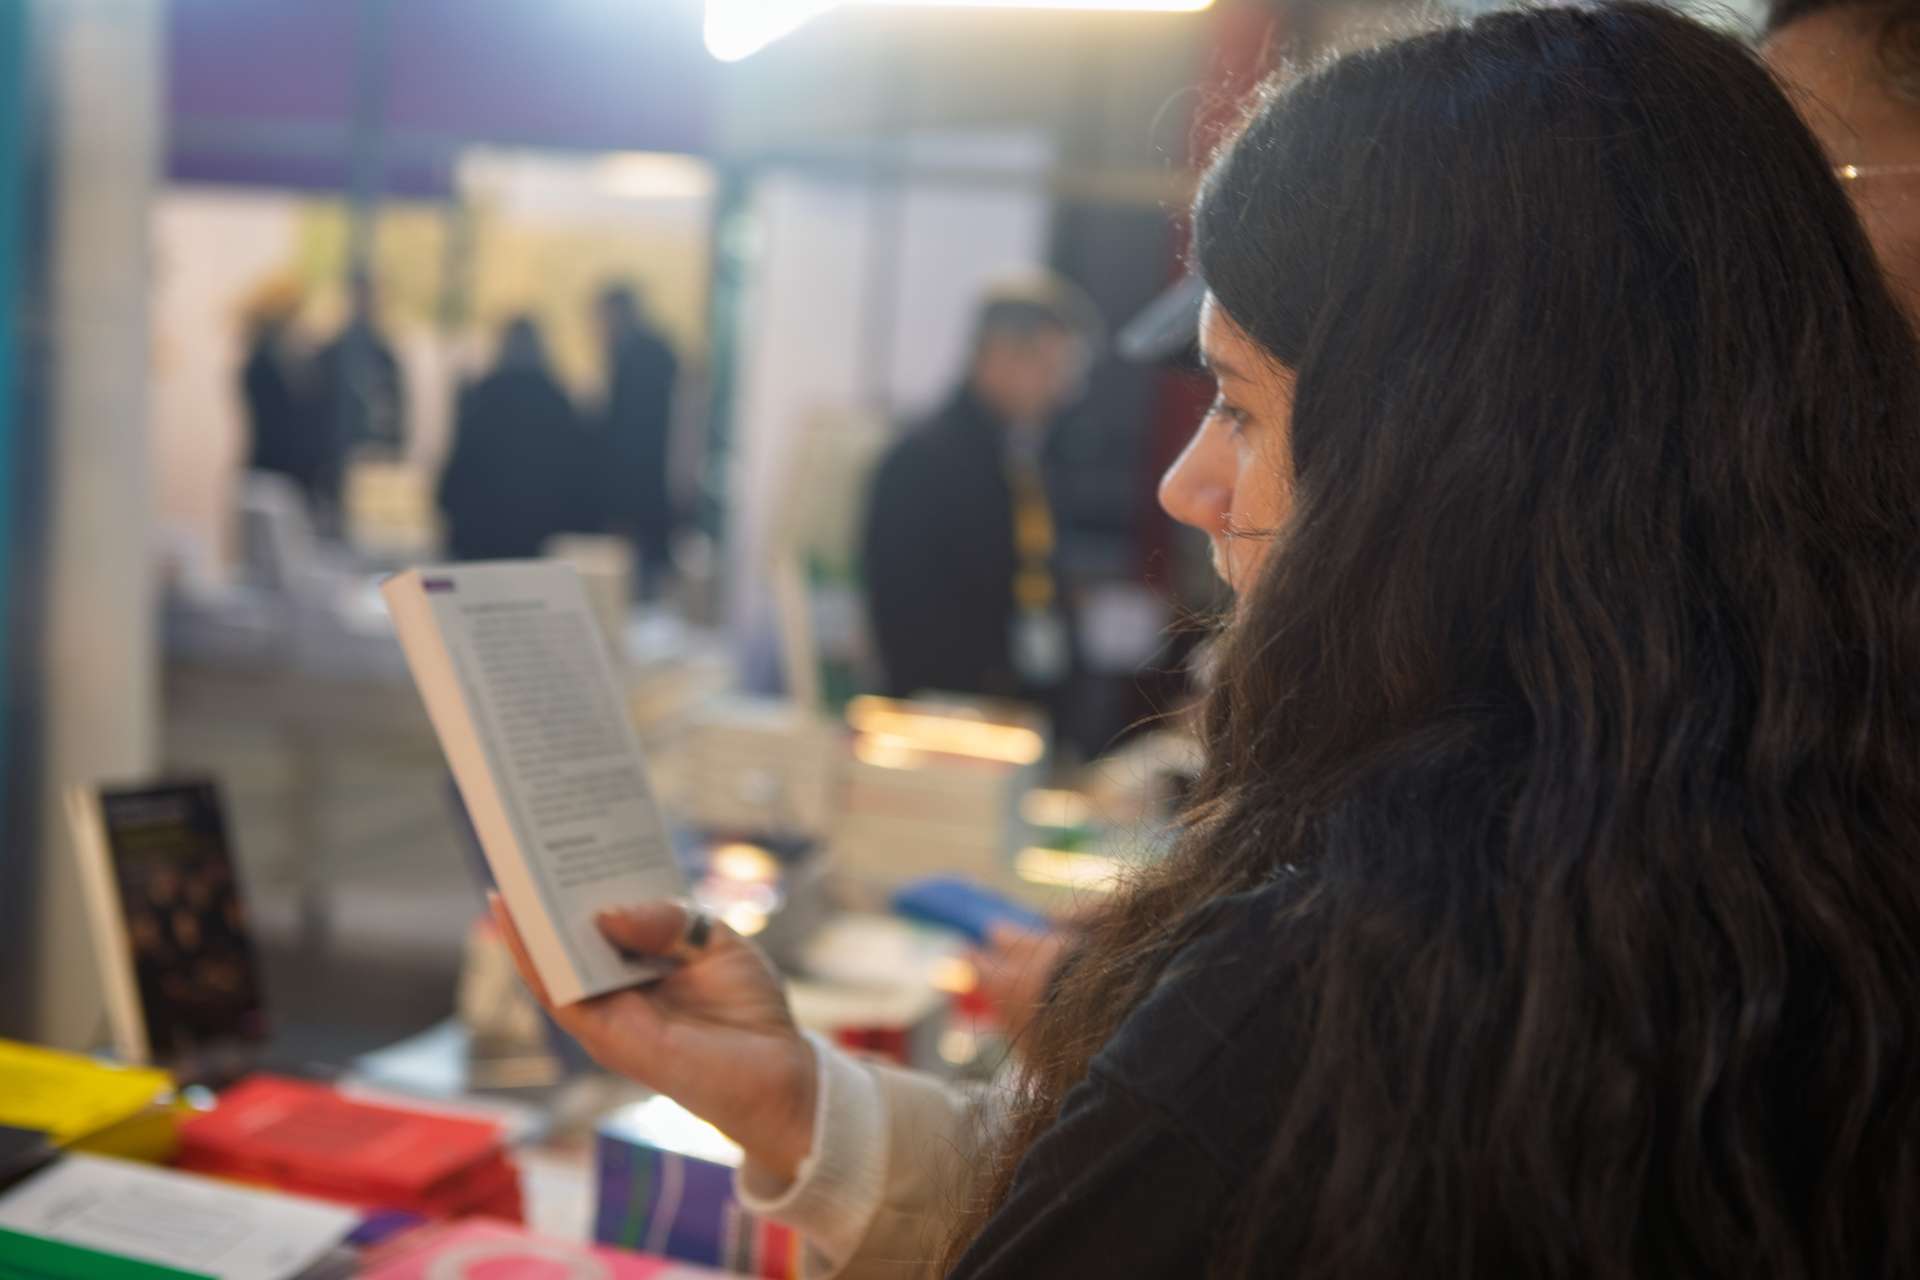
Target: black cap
x: 1167, y: 329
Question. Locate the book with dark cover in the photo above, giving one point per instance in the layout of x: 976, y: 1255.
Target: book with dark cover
x: 169, y: 920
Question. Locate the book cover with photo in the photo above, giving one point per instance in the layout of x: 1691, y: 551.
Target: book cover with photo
x: 169, y: 919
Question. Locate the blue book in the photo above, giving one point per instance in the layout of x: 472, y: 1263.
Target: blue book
x: 964, y: 906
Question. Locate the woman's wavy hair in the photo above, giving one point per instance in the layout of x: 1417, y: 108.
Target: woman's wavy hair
x: 1577, y: 706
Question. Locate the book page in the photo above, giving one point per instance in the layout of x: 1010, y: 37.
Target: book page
x: 553, y: 725
x: 174, y: 1220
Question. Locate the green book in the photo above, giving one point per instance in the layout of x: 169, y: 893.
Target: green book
x: 91, y: 1218
x: 25, y: 1257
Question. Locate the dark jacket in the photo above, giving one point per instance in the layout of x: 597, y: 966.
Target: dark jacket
x: 359, y: 397
x: 939, y: 560
x: 637, y: 426
x: 281, y: 436
x: 522, y: 469
x: 1143, y: 1169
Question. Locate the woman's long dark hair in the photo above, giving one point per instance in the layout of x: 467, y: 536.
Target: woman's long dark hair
x: 1578, y: 702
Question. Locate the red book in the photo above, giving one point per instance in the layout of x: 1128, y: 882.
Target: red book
x: 491, y: 1189
x: 295, y: 1134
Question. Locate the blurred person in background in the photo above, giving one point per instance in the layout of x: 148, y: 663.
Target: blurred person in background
x: 958, y: 549
x: 637, y: 422
x: 280, y: 433
x: 359, y: 399
x: 522, y: 467
x: 1547, y: 905
x: 1854, y: 66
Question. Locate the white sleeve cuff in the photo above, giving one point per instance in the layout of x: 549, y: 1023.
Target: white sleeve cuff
x: 838, y: 1187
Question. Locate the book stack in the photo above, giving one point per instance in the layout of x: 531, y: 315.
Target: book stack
x: 666, y: 1187
x: 309, y: 1140
x: 754, y: 766
x: 935, y: 789
x: 899, y: 1023
x: 605, y: 565
x: 80, y: 1104
x: 476, y: 1250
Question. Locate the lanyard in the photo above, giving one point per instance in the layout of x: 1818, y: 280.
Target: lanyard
x: 1033, y: 538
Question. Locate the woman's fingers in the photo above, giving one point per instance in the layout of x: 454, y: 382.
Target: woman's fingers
x: 646, y: 929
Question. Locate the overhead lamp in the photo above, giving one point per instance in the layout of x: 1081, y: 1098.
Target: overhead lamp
x: 736, y: 29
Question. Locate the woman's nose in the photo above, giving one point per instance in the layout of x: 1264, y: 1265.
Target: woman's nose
x: 1197, y: 490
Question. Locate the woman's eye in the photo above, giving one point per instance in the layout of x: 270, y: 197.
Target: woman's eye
x: 1234, y: 416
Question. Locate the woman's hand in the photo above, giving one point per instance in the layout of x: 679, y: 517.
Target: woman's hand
x: 715, y: 1034
x: 1016, y: 966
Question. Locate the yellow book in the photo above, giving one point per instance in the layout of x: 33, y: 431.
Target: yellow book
x: 85, y: 1104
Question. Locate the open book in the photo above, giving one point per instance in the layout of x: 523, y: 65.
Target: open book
x: 522, y: 694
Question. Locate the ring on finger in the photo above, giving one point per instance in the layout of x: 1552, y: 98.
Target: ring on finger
x: 699, y: 930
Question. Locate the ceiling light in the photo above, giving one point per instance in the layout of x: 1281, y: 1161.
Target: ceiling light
x: 736, y: 29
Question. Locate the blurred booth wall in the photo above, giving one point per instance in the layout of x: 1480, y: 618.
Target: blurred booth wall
x: 82, y: 687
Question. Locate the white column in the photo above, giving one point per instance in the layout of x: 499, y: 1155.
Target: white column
x: 103, y: 75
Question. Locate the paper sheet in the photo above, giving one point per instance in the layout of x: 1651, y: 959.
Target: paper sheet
x: 174, y: 1219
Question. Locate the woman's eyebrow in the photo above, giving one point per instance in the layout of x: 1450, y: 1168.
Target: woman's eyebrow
x: 1221, y: 368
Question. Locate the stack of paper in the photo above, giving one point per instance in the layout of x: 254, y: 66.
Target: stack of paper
x: 899, y: 1023
x: 934, y: 789
x: 89, y: 1218
x: 307, y: 1139
x: 750, y: 766
x: 81, y: 1104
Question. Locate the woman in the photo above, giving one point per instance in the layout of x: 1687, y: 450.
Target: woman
x: 1550, y: 905
x: 523, y: 468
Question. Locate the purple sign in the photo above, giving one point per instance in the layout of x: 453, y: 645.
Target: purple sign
x: 263, y: 91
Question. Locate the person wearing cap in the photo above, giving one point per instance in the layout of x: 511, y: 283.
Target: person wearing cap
x: 959, y: 542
